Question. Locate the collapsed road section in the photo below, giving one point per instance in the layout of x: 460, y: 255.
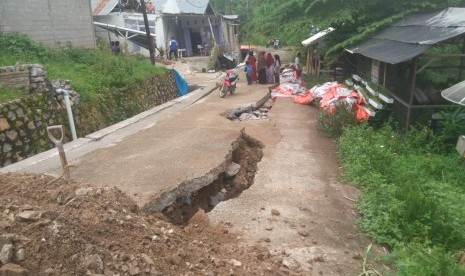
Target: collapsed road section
x: 255, y: 111
x: 225, y: 182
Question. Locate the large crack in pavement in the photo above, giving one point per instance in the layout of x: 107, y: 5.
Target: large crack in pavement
x: 225, y: 181
x: 233, y: 176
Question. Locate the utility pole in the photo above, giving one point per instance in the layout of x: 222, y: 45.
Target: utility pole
x: 147, y: 31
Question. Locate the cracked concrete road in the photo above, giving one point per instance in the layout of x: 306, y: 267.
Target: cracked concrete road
x: 296, y: 207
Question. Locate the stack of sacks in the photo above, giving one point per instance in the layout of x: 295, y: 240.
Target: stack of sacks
x: 332, y: 93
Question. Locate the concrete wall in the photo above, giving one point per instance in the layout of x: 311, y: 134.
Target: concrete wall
x: 50, y: 21
x: 23, y: 122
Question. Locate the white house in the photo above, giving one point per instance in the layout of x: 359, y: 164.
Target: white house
x: 193, y: 23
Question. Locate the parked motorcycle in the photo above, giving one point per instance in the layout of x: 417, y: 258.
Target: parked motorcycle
x: 228, y: 83
x: 276, y: 43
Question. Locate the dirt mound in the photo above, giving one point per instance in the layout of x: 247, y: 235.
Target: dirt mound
x: 52, y: 227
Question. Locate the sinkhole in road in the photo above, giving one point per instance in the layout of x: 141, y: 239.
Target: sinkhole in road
x: 226, y: 186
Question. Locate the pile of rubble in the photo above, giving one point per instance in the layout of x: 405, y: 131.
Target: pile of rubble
x: 259, y: 114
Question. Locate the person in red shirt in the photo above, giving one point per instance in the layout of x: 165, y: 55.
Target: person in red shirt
x: 253, y: 63
x: 150, y: 7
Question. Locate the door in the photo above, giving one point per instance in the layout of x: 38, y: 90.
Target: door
x: 196, y: 39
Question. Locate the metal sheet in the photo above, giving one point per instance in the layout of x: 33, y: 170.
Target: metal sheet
x: 137, y: 37
x: 317, y: 37
x: 455, y: 93
x: 392, y: 52
x: 413, y: 35
x: 420, y: 34
x: 185, y: 6
x: 103, y: 7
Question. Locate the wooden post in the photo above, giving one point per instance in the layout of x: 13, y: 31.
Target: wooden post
x: 462, y: 60
x: 309, y: 62
x: 147, y: 31
x: 384, y: 74
x: 413, y: 71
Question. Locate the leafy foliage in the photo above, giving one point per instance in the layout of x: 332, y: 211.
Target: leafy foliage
x: 411, y: 201
x: 292, y: 20
x: 334, y: 123
x: 92, y: 72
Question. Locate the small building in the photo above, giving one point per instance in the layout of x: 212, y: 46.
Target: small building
x: 194, y: 24
x: 415, y: 58
x: 55, y: 24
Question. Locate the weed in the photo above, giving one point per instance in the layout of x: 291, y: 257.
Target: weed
x: 412, y: 201
x: 93, y: 73
x: 9, y: 93
x: 333, y: 123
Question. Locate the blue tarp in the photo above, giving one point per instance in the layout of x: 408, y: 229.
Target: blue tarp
x: 181, y: 83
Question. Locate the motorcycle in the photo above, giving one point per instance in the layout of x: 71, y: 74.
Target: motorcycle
x: 228, y: 83
x: 276, y: 43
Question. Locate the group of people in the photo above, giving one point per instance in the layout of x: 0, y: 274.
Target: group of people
x: 266, y: 68
x: 114, y: 47
x: 263, y: 70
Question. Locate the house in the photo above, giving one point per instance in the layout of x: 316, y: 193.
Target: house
x: 415, y: 58
x: 54, y: 24
x: 194, y: 24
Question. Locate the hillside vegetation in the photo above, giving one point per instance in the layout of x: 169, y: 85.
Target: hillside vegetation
x: 292, y: 20
x: 92, y: 72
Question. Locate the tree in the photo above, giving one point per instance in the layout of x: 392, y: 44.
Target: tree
x: 291, y: 20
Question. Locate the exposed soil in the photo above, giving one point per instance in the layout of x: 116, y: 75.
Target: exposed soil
x: 78, y: 231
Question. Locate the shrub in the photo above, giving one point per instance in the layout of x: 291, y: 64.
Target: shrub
x: 333, y: 123
x: 410, y: 199
x: 92, y: 72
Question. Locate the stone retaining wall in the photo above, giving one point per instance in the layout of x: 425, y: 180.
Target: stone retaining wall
x: 27, y: 77
x: 23, y: 121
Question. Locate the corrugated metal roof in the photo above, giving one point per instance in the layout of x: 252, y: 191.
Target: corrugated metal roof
x: 231, y: 16
x: 317, y: 37
x: 413, y: 35
x: 103, y: 7
x: 183, y: 6
x: 135, y: 36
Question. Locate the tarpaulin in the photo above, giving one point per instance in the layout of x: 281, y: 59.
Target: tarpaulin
x: 181, y: 83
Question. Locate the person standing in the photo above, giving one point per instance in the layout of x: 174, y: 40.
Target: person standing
x: 115, y: 49
x: 248, y: 72
x: 173, y: 45
x: 298, y: 65
x: 150, y: 7
x: 261, y: 68
x: 277, y: 68
x: 253, y: 63
x: 269, y: 61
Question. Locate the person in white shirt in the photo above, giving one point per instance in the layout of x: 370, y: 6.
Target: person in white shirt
x: 298, y: 66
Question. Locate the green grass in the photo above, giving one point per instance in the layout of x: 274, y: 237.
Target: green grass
x: 92, y: 73
x: 7, y: 94
x: 412, y: 201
